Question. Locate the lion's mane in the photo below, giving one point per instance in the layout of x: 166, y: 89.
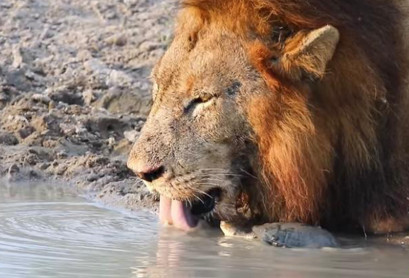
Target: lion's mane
x: 335, y: 152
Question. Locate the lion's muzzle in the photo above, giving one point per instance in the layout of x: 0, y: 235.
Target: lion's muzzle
x: 182, y: 214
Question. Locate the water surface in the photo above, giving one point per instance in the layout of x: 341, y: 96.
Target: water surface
x: 47, y: 232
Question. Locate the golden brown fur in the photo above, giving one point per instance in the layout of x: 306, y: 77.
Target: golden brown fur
x: 332, y: 143
x: 366, y: 75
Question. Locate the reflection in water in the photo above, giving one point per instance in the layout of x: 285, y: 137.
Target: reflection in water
x: 178, y: 255
x: 46, y: 232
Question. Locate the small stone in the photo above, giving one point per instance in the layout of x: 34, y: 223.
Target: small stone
x: 118, y: 40
x: 97, y: 67
x: 88, y: 97
x: 84, y: 55
x: 62, y: 155
x: 67, y: 129
x: 92, y: 177
x: 111, y: 141
x: 41, y: 98
x: 26, y: 131
x: 17, y: 57
x: 52, y: 105
x: 44, y: 166
x: 46, y: 32
x: 30, y: 75
x: 81, y: 129
x: 119, y: 78
x: 31, y: 159
x: 61, y: 170
x: 8, y: 139
x: 131, y: 135
x: 65, y: 96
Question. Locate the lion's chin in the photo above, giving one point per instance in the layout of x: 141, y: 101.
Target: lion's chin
x: 186, y: 215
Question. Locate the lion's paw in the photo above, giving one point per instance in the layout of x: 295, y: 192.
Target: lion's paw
x: 293, y: 235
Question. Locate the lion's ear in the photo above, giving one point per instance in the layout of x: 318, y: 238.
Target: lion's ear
x: 309, y: 52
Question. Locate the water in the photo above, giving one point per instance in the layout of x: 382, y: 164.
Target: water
x: 46, y: 232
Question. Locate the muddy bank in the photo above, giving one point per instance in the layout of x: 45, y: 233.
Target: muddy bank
x: 75, y: 92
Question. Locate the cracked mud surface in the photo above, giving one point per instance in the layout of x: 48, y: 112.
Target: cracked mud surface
x: 75, y: 91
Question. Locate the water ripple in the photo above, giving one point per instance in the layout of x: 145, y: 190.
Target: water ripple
x: 70, y: 235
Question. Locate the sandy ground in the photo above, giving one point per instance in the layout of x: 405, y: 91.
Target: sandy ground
x: 74, y: 91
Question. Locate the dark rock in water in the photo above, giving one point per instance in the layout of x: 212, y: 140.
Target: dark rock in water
x: 295, y: 235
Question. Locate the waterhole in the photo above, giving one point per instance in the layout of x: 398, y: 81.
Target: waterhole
x: 48, y: 232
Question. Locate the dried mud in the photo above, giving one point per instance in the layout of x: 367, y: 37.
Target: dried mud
x: 75, y: 92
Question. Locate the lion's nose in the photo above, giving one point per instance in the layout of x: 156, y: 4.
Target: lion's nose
x: 142, y: 164
x: 149, y: 173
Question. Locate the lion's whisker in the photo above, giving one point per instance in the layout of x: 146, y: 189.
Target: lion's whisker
x: 198, y: 191
x: 244, y: 171
x: 197, y: 197
x: 208, y: 184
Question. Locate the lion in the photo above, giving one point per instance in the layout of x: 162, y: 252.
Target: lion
x: 281, y: 111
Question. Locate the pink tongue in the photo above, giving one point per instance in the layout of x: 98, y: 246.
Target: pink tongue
x: 176, y: 213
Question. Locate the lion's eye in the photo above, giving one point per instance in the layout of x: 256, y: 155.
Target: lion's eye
x: 202, y: 98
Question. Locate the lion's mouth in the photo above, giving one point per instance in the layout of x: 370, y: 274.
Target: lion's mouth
x: 185, y: 215
x: 206, y: 203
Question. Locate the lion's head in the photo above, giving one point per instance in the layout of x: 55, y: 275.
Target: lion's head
x: 244, y: 126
